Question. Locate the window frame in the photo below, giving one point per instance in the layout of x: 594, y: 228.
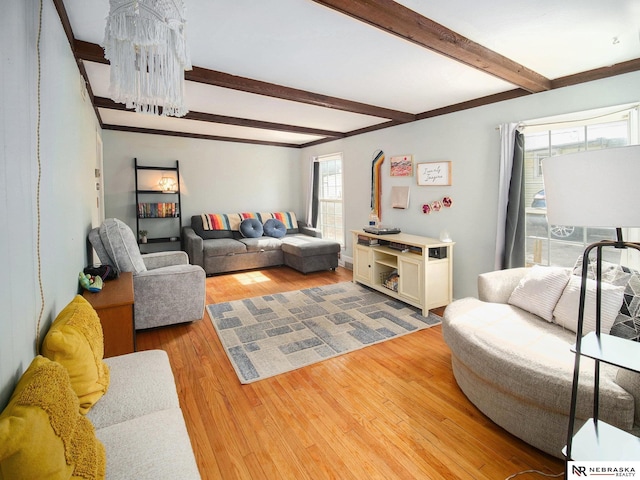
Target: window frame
x: 338, y: 228
x: 545, y: 249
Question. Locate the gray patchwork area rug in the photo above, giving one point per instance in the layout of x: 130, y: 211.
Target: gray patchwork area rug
x: 273, y: 334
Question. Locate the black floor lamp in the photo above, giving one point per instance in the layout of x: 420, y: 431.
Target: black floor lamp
x: 596, y: 188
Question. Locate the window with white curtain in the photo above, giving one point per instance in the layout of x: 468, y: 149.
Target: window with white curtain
x: 330, y: 208
x: 606, y: 128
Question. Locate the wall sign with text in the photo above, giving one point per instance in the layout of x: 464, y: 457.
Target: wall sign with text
x: 434, y: 173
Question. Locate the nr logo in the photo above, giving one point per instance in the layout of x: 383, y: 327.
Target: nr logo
x: 579, y: 470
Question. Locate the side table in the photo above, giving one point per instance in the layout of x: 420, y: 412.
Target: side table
x: 114, y: 305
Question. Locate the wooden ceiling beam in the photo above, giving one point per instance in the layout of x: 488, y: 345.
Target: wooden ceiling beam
x: 250, y: 123
x: 102, y: 102
x: 95, y: 53
x: 172, y: 133
x: 66, y: 25
x: 64, y: 20
x: 597, y: 73
x: 221, y: 79
x: 478, y: 102
x: 91, y: 52
x: 403, y: 22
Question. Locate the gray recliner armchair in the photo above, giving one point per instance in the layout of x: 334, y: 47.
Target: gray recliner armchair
x: 166, y: 288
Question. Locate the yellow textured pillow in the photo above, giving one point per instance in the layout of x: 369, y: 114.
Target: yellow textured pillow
x: 75, y: 340
x: 42, y: 433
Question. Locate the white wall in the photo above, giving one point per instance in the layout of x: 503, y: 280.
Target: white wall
x: 228, y: 177
x: 68, y: 152
x: 215, y: 177
x: 468, y: 139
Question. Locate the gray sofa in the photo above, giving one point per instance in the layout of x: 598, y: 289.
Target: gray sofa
x: 226, y: 250
x: 166, y: 289
x: 140, y: 423
x: 517, y: 367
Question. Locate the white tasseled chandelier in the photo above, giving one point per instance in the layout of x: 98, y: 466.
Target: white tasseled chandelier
x: 145, y: 43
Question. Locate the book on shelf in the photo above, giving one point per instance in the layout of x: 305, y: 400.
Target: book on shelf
x: 366, y: 240
x: 405, y: 248
x: 158, y: 210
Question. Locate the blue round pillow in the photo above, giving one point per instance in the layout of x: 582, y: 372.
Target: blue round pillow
x: 274, y: 228
x: 251, y: 228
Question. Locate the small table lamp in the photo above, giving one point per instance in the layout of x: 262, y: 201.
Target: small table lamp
x: 595, y: 188
x: 167, y: 184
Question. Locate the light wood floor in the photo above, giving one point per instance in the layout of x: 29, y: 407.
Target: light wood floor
x: 389, y: 411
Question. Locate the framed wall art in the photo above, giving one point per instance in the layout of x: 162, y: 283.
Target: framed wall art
x: 434, y: 173
x: 402, y: 166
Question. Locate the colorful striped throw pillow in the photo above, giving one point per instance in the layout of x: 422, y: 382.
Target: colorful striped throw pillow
x: 288, y: 218
x: 232, y: 221
x: 225, y: 221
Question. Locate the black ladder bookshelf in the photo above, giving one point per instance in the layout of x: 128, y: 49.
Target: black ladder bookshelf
x: 154, y: 206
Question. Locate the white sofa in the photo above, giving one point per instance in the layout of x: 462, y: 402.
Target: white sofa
x: 517, y: 367
x: 140, y: 422
x: 75, y: 414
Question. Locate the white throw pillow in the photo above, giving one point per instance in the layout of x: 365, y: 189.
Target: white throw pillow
x: 539, y: 290
x: 566, y: 311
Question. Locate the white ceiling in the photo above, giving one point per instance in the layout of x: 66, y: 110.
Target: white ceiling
x: 304, y: 45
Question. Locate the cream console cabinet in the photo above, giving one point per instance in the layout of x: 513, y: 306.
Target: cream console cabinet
x: 416, y: 270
